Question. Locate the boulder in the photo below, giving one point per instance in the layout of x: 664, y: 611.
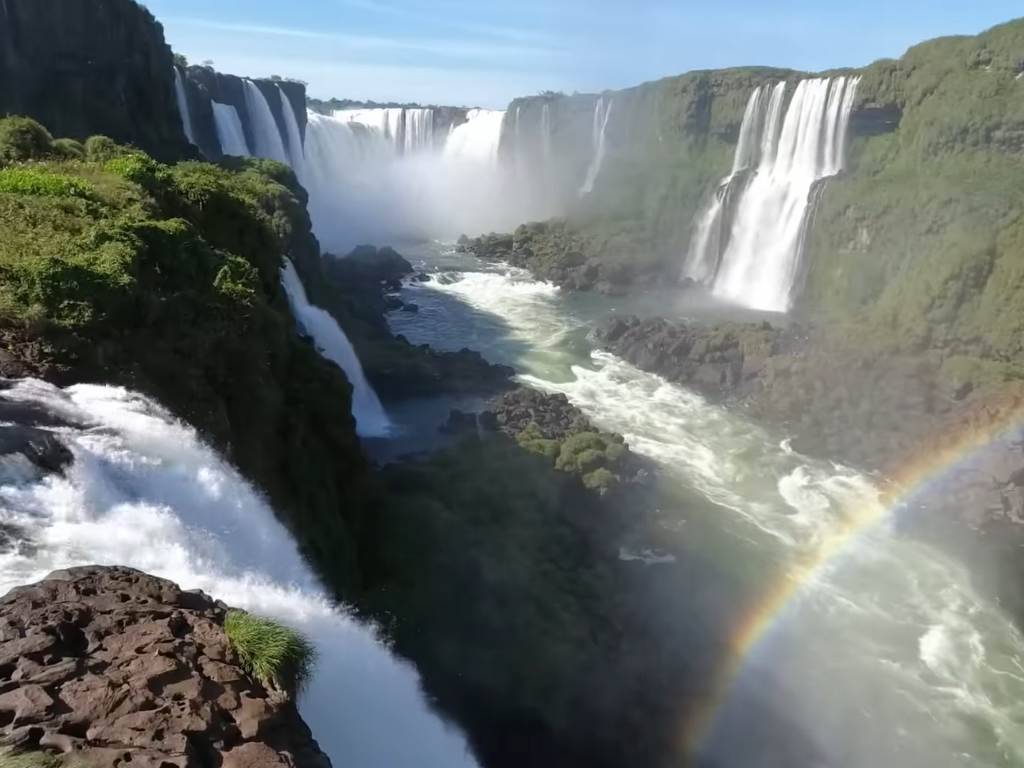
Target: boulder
x: 108, y: 665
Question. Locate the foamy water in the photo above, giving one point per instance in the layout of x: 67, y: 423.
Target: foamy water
x: 144, y: 491
x: 887, y: 657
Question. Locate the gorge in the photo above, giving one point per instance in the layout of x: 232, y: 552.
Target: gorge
x: 713, y: 458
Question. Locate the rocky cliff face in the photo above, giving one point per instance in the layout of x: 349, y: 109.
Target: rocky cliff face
x: 204, y: 85
x: 109, y: 666
x: 90, y: 68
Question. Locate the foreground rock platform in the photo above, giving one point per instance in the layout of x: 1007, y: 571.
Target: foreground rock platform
x: 111, y: 666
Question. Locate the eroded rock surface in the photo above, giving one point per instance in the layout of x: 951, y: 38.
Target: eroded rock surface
x: 115, y: 666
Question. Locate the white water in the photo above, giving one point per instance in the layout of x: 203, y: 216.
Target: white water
x: 266, y: 135
x: 229, y: 131
x: 602, y: 112
x: 376, y: 174
x: 887, y: 657
x: 760, y: 257
x: 294, y: 135
x: 183, y: 108
x: 371, y: 421
x: 145, y: 492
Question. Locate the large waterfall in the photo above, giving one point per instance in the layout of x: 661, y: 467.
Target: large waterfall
x: 371, y: 421
x: 267, y: 138
x: 294, y: 133
x: 144, y: 491
x: 183, y: 108
x: 748, y: 243
x: 230, y: 133
x: 381, y: 174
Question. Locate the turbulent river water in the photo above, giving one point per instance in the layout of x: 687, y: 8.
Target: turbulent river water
x: 887, y: 657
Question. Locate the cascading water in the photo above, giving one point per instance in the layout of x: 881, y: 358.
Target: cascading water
x: 295, y: 148
x: 602, y: 112
x: 371, y: 421
x: 266, y: 135
x: 230, y: 133
x: 754, y: 258
x: 186, y: 113
x: 478, y: 138
x: 144, y: 491
x: 377, y: 173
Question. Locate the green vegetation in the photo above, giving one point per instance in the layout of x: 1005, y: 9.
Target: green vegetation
x: 596, y: 457
x: 271, y: 652
x: 164, y: 279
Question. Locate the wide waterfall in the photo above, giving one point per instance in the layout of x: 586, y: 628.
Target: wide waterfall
x: 602, y: 112
x: 229, y: 130
x: 371, y: 421
x: 146, y: 492
x: 267, y: 138
x: 748, y: 243
x: 186, y: 113
x: 376, y: 174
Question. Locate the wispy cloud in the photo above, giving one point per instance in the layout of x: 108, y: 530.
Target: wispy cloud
x: 459, y: 48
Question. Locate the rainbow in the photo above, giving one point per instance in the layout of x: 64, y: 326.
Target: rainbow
x: 904, y: 484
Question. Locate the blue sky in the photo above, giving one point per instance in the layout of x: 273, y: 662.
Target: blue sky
x: 486, y: 52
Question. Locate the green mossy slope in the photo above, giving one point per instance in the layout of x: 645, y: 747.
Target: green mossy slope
x: 117, y: 269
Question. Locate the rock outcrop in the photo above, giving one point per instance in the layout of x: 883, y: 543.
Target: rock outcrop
x: 111, y: 666
x: 81, y: 69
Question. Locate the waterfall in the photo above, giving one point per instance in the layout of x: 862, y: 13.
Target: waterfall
x: 371, y: 421
x: 183, y: 109
x: 229, y: 130
x: 601, y: 115
x: 295, y: 148
x: 545, y: 136
x: 478, y: 138
x: 782, y: 154
x: 266, y: 135
x: 419, y: 130
x: 146, y: 492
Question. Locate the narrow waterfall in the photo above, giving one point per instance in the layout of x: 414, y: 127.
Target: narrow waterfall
x: 145, y: 491
x: 266, y: 135
x: 294, y: 135
x: 183, y: 108
x: 371, y: 421
x: 783, y: 152
x: 601, y: 114
x: 545, y: 135
x: 229, y: 130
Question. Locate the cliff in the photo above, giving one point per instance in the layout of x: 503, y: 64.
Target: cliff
x: 204, y: 85
x: 106, y: 666
x: 90, y: 68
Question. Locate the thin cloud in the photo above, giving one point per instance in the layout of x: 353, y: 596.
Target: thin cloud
x: 437, y: 46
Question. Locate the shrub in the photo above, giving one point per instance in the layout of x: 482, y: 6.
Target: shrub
x: 69, y: 149
x: 139, y: 168
x: 36, y: 181
x: 99, y: 149
x: 271, y: 652
x: 22, y: 138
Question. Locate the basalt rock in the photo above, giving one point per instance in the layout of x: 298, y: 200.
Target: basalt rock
x: 109, y: 666
x: 81, y: 69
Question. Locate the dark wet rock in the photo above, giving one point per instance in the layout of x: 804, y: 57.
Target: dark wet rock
x: 420, y: 277
x: 43, y: 449
x: 109, y: 666
x: 410, y: 307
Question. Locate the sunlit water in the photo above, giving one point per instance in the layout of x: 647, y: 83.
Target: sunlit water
x: 143, y: 491
x: 888, y: 658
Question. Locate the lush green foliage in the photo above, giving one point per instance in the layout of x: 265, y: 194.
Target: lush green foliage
x: 22, y: 138
x: 69, y: 149
x: 596, y: 457
x: 269, y: 651
x: 40, y: 182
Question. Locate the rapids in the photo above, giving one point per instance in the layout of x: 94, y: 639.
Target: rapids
x: 144, y: 491
x: 886, y: 657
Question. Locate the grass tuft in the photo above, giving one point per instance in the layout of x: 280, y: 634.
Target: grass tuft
x: 11, y: 759
x: 271, y: 652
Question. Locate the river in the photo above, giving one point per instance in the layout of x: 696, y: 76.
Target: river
x: 886, y: 656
